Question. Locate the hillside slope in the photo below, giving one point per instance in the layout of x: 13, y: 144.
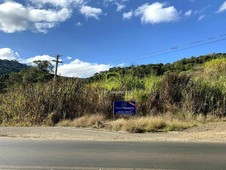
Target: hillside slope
x: 7, y: 66
x: 142, y: 71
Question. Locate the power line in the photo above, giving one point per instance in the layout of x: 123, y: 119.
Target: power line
x: 152, y: 56
x: 173, y: 49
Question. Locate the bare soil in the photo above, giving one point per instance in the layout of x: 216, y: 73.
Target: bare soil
x: 210, y: 132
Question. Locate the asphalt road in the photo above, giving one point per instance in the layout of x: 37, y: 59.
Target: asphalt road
x: 59, y: 154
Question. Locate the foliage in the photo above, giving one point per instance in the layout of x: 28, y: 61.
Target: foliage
x: 142, y: 71
x: 216, y: 65
x: 44, y: 65
x: 27, y: 76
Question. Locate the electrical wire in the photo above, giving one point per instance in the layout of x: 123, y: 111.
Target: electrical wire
x: 153, y: 54
x: 172, y: 49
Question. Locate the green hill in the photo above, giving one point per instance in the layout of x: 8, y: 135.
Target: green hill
x: 7, y: 66
x: 142, y: 71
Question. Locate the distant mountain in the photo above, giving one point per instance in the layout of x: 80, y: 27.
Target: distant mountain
x: 7, y: 66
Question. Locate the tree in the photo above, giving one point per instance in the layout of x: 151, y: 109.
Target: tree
x: 44, y: 65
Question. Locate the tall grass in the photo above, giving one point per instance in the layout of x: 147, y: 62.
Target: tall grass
x: 48, y: 103
x: 35, y: 103
x: 181, y: 92
x: 216, y: 66
x: 152, y: 84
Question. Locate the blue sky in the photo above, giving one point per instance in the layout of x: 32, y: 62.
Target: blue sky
x: 93, y: 36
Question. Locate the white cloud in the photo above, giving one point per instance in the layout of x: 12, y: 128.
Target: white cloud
x: 81, y: 69
x: 188, y: 13
x: 39, y: 15
x: 107, y: 2
x: 75, y: 68
x: 30, y: 60
x: 8, y: 54
x: 120, y: 6
x: 201, y: 17
x: 157, y: 13
x: 43, y: 26
x: 222, y: 7
x: 78, y: 24
x: 127, y: 15
x: 69, y: 58
x: 91, y: 12
x: 57, y: 3
x: 14, y: 17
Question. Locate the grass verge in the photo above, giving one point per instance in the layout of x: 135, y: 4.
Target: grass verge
x: 95, y: 121
x: 132, y: 125
x: 148, y: 124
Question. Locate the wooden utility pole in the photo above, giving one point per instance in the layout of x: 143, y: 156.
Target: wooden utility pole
x: 57, y: 62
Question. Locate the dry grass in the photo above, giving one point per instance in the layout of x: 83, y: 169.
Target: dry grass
x: 148, y: 124
x: 168, y: 122
x: 132, y: 125
x: 96, y: 121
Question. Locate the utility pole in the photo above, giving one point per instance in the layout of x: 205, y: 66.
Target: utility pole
x: 57, y: 62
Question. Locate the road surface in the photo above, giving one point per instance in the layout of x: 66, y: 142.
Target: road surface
x: 69, y: 154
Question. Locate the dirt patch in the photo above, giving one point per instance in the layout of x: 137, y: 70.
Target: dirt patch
x: 215, y: 126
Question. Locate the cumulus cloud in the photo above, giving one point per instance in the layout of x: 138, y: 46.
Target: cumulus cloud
x: 156, y: 13
x: 15, y: 17
x: 77, y: 68
x: 222, y: 7
x: 8, y: 54
x: 127, y: 15
x: 57, y: 3
x: 30, y: 60
x: 91, y: 12
x: 188, y: 13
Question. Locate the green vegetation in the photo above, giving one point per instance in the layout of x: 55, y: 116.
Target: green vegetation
x: 169, y: 97
x: 7, y: 66
x: 30, y: 75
